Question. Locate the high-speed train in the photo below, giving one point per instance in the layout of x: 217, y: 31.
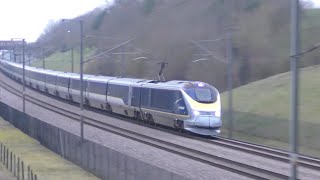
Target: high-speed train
x: 183, y: 105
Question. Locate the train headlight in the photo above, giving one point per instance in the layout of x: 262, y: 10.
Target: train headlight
x: 196, y: 113
x: 217, y: 113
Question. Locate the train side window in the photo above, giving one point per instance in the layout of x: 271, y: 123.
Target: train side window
x: 75, y: 84
x: 51, y: 79
x: 162, y: 99
x: 36, y: 75
x: 112, y: 90
x: 27, y: 72
x: 135, y: 99
x: 20, y: 71
x: 30, y: 74
x: 39, y: 76
x: 64, y: 82
x: 98, y: 88
x: 119, y: 91
x: 179, y: 104
x: 124, y: 91
x: 145, y: 97
x: 85, y: 84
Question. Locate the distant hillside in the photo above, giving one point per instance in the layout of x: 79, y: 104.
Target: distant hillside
x: 262, y: 108
x: 165, y: 29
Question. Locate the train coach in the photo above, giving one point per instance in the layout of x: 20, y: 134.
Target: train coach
x: 184, y: 105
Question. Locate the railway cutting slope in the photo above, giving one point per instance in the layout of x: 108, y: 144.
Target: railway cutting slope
x: 262, y: 110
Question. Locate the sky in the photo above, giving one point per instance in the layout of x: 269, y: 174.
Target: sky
x: 28, y: 18
x: 315, y: 2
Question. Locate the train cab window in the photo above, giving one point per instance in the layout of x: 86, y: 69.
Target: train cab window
x: 203, y: 94
x: 98, y: 88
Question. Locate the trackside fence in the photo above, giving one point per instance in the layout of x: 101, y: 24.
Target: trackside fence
x: 100, y: 160
x: 15, y: 164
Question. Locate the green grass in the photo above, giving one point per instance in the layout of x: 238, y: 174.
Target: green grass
x: 61, y: 61
x: 45, y: 163
x: 311, y: 18
x: 262, y: 110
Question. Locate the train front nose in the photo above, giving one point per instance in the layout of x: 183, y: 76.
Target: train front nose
x: 204, y: 124
x: 207, y: 122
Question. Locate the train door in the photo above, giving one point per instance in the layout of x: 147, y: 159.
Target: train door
x: 87, y: 90
x: 70, y: 91
x: 130, y: 108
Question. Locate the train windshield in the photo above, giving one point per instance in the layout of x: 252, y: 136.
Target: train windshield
x: 202, y: 94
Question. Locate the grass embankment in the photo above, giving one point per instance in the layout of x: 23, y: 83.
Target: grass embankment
x: 262, y: 111
x: 45, y: 163
x: 61, y: 61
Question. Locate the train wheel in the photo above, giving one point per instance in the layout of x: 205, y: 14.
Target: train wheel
x: 137, y: 116
x: 87, y: 101
x: 179, y: 125
x: 150, y: 119
x: 108, y: 107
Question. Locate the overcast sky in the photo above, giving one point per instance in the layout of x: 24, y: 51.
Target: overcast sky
x: 28, y: 18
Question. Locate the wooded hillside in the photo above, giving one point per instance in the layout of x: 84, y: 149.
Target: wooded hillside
x: 165, y: 30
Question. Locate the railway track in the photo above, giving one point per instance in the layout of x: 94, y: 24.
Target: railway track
x: 264, y: 151
x: 230, y: 165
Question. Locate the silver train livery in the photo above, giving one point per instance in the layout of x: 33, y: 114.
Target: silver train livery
x: 183, y: 105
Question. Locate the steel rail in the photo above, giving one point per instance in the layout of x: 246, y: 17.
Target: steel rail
x: 272, y: 153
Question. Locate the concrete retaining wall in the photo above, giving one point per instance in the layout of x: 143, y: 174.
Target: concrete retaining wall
x: 99, y: 160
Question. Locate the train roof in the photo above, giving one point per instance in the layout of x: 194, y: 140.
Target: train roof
x: 121, y: 81
x: 34, y: 69
x: 50, y: 72
x: 174, y: 84
x: 101, y: 78
x: 129, y: 81
x: 66, y: 75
